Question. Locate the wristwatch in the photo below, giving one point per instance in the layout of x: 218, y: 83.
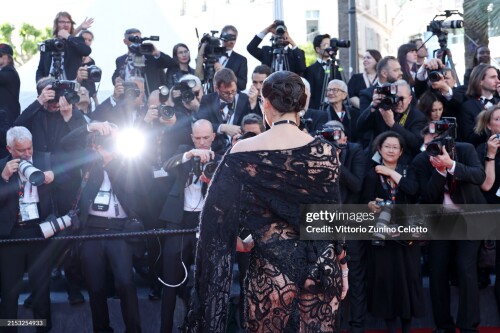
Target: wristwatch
x: 487, y: 159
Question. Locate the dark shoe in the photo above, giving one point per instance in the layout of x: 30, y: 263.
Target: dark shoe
x: 75, y: 298
x: 28, y: 302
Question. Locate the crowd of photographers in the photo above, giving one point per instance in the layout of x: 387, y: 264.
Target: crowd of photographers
x: 68, y: 166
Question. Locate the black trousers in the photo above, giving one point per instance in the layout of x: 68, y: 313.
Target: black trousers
x: 357, y: 294
x: 96, y: 255
x: 13, y: 258
x: 463, y: 255
x: 178, y: 249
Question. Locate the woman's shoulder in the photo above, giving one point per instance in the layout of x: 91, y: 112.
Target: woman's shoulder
x: 264, y: 142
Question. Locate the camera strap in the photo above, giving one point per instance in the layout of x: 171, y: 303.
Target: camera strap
x: 403, y: 118
x: 390, y: 187
x: 27, y: 210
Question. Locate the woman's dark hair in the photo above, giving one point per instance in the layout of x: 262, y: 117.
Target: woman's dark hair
x: 380, y: 139
x: 375, y: 54
x: 286, y: 91
x: 426, y: 102
x: 403, y: 50
x: 176, y: 48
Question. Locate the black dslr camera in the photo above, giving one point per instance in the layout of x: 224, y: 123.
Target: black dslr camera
x: 166, y: 112
x: 447, y: 129
x: 186, y: 89
x: 332, y: 134
x: 336, y: 43
x: 138, y: 47
x: 94, y: 73
x: 279, y: 27
x: 51, y: 45
x: 434, y: 75
x: 390, y: 99
x: 205, y: 169
x: 68, y: 89
x: 130, y: 90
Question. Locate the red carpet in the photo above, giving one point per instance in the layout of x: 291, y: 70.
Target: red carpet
x: 429, y: 330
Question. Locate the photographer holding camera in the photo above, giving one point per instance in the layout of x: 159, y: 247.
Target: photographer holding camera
x: 391, y: 109
x: 61, y: 56
x: 23, y: 206
x: 109, y: 202
x: 394, y: 269
x: 451, y: 175
x: 284, y: 54
x: 189, y: 169
x: 142, y: 59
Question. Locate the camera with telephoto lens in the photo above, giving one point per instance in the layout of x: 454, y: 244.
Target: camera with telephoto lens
x: 66, y: 88
x: 390, y: 99
x: 139, y: 47
x: 382, y: 222
x: 165, y: 111
x: 53, y: 224
x: 279, y: 27
x: 94, y: 73
x: 186, y: 89
x: 437, y: 26
x: 51, y: 45
x: 447, y: 129
x: 332, y: 134
x: 205, y: 169
x: 130, y: 90
x: 35, y: 176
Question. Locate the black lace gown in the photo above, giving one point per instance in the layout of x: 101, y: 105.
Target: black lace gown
x: 261, y: 191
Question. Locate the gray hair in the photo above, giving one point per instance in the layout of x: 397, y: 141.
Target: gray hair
x: 18, y: 133
x: 403, y: 83
x: 339, y: 83
x: 191, y: 77
x: 334, y: 123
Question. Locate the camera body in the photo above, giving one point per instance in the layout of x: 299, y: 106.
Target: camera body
x: 51, y: 45
x: 204, y: 169
x: 68, y: 89
x: 434, y: 75
x: 383, y: 221
x: 447, y: 129
x: 166, y: 112
x: 390, y: 99
x: 130, y: 90
x: 335, y: 43
x: 94, y: 73
x: 279, y: 27
x: 138, y: 47
x: 332, y: 134
x: 435, y: 147
x: 31, y: 173
x: 186, y: 89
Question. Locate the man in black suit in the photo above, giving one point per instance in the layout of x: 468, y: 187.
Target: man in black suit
x: 234, y: 61
x: 452, y: 178
x: 260, y: 73
x: 224, y: 108
x: 315, y: 73
x: 9, y: 94
x: 22, y: 207
x: 182, y: 210
x: 68, y: 59
x: 402, y: 117
x: 112, y: 195
x: 134, y: 63
x: 291, y: 59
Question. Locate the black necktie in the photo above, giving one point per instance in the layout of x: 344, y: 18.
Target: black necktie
x: 485, y: 101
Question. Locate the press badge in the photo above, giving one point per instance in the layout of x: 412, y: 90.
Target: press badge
x: 101, y: 201
x: 159, y: 172
x: 29, y: 211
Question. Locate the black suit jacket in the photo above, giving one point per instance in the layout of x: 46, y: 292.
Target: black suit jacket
x: 352, y: 173
x: 469, y: 175
x: 296, y: 57
x: 9, y: 103
x: 350, y: 120
x: 154, y: 70
x: 411, y: 130
x: 315, y: 75
x: 74, y: 49
x: 466, y: 120
x: 210, y: 109
x: 9, y: 197
x: 315, y: 120
x: 238, y: 64
x: 116, y: 114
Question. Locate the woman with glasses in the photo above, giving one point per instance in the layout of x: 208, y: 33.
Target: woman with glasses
x: 181, y: 56
x: 394, y: 276
x: 338, y: 110
x: 291, y: 285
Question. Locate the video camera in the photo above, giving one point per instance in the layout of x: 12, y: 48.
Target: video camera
x: 206, y: 169
x: 447, y: 128
x: 213, y: 47
x: 186, y: 89
x: 66, y: 88
x: 437, y: 26
x: 52, y: 45
x: 138, y: 47
x: 390, y: 99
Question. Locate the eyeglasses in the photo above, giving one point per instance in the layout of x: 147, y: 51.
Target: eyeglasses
x: 334, y: 90
x: 228, y: 93
x: 395, y: 148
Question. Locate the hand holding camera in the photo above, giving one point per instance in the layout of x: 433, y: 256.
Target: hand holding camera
x: 441, y: 162
x: 82, y: 74
x: 119, y: 89
x: 493, y: 144
x: 47, y: 94
x: 204, y: 155
x: 10, y: 168
x: 230, y: 130
x: 65, y: 108
x: 103, y: 128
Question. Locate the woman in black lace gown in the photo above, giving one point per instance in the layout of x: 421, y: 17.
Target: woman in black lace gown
x: 292, y: 285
